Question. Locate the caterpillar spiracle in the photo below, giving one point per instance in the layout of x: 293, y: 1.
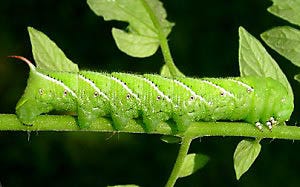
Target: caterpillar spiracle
x: 153, y: 98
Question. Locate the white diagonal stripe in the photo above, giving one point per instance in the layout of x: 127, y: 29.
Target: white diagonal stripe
x: 125, y: 87
x: 190, y: 90
x: 156, y: 89
x: 249, y: 88
x: 57, y: 82
x: 222, y: 90
x: 92, y: 84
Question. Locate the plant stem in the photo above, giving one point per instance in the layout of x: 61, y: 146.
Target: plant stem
x: 168, y: 58
x: 10, y: 122
x: 184, y: 148
x: 163, y: 42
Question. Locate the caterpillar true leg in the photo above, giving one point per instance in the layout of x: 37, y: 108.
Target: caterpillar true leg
x: 269, y: 124
x: 258, y: 125
x: 273, y: 121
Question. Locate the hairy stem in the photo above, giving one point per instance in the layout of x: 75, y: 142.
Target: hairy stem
x: 168, y: 58
x: 10, y: 122
x: 163, y: 43
x: 184, y: 148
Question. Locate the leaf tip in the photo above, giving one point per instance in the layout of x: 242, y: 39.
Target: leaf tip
x: 31, y: 29
x: 241, y: 29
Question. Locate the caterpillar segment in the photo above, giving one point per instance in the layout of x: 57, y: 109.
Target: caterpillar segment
x: 125, y: 97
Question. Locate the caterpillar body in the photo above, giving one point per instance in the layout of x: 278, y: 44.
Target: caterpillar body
x: 153, y: 98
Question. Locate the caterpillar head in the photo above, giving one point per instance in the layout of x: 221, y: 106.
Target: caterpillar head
x: 285, y: 108
x: 283, y: 104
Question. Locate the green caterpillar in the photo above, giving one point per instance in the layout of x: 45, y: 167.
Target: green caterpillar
x: 153, y: 98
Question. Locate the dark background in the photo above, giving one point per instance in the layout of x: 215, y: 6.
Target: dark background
x: 204, y: 42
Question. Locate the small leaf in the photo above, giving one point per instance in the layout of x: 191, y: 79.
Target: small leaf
x: 286, y: 41
x: 47, y: 55
x: 244, y: 156
x: 125, y: 185
x: 131, y: 44
x: 286, y: 9
x: 170, y: 139
x: 192, y: 163
x: 297, y: 77
x: 165, y: 71
x: 254, y: 60
x: 147, y: 24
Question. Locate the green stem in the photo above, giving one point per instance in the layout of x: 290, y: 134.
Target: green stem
x: 168, y: 58
x: 10, y: 122
x: 184, y: 148
x: 163, y: 43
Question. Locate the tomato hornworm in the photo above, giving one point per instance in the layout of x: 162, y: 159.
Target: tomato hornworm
x: 153, y: 98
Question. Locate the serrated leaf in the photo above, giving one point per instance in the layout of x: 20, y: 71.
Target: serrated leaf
x: 286, y: 9
x: 254, y: 60
x: 165, y: 71
x: 170, y: 139
x: 192, y: 163
x: 286, y: 41
x: 47, y: 55
x: 244, y: 156
x: 147, y: 23
x: 125, y: 185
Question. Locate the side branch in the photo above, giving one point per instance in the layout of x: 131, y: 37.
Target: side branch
x: 10, y: 122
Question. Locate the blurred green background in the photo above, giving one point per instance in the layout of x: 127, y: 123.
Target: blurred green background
x: 204, y: 42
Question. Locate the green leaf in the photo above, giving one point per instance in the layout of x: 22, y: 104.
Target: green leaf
x: 297, y: 77
x: 147, y: 24
x: 192, y: 163
x: 286, y: 41
x: 165, y: 71
x: 125, y: 185
x: 244, y: 156
x: 254, y: 60
x: 135, y: 45
x: 47, y: 55
x: 170, y: 139
x: 286, y: 9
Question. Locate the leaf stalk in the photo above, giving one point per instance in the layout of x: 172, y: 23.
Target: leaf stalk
x: 184, y: 148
